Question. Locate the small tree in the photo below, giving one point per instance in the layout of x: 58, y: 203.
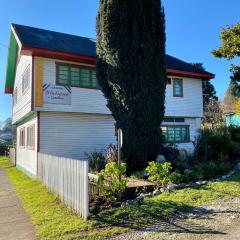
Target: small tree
x: 213, y: 114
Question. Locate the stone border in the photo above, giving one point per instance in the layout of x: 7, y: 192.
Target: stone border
x: 172, y: 187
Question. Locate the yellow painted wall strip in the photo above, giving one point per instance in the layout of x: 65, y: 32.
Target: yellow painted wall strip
x: 39, y: 69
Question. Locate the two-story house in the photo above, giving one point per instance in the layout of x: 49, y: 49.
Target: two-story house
x: 57, y: 105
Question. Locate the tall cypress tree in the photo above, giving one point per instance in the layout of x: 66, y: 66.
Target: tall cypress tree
x: 132, y: 75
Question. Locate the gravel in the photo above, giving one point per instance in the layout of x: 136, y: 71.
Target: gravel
x: 217, y: 222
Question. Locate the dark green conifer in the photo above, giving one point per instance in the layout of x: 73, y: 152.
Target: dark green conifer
x: 132, y: 75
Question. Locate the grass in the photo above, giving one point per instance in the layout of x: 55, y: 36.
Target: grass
x: 53, y: 220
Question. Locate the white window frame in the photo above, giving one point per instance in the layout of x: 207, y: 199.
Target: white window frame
x: 31, y: 137
x: 26, y: 80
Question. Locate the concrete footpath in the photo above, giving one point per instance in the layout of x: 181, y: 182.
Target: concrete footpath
x: 15, y: 224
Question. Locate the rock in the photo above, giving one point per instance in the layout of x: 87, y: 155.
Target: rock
x: 172, y: 187
x: 238, y: 166
x: 183, y: 155
x: 200, y: 183
x: 156, y: 192
x: 160, y: 159
x: 164, y: 189
x: 187, y: 171
x: 144, y: 195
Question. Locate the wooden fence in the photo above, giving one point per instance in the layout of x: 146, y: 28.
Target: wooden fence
x: 12, y: 155
x: 68, y: 178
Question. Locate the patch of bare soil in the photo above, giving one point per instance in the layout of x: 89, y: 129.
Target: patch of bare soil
x: 217, y: 222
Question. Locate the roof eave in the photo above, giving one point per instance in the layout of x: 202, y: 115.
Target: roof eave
x: 60, y: 55
x: 180, y: 73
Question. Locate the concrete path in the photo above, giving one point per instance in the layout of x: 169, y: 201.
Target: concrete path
x: 15, y: 224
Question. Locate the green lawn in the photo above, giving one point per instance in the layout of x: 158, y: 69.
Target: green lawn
x: 53, y: 220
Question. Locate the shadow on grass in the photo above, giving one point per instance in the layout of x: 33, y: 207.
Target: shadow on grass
x: 162, y: 216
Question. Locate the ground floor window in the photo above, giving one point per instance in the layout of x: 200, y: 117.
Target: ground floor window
x: 22, y: 138
x: 176, y: 134
x: 30, y: 137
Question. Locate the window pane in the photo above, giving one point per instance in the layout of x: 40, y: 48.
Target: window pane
x: 168, y: 119
x: 176, y: 133
x: 179, y: 120
x: 77, y: 76
x: 177, y: 91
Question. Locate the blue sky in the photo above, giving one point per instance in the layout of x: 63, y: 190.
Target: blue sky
x: 192, y: 28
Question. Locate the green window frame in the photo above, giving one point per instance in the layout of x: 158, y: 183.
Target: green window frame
x: 76, y: 76
x: 176, y: 134
x: 177, y: 87
x: 174, y: 119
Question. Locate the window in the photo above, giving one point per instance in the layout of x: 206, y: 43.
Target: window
x: 30, y: 137
x: 15, y: 96
x: 22, y: 138
x: 176, y: 134
x: 76, y: 76
x: 26, y: 79
x: 177, y: 88
x: 173, y: 119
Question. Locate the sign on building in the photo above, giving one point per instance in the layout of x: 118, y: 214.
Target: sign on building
x: 54, y: 94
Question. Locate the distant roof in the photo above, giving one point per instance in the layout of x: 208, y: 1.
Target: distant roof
x: 38, y: 40
x: 56, y: 41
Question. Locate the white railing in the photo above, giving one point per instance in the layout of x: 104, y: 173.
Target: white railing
x: 68, y: 178
x: 12, y: 155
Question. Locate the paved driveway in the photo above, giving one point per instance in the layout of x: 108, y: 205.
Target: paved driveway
x: 15, y: 224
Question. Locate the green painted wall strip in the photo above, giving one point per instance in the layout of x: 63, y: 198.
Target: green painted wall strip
x: 27, y: 172
x: 12, y: 60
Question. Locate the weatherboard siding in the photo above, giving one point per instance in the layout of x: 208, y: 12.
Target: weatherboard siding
x: 72, y: 135
x: 23, y: 106
x: 26, y: 158
x: 92, y: 100
x: 194, y: 126
x: 83, y: 100
x: 190, y: 105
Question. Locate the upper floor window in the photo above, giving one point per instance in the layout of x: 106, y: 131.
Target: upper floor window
x: 15, y: 96
x: 173, y: 119
x: 176, y: 134
x: 22, y: 137
x: 177, y: 87
x: 31, y: 137
x: 76, y: 76
x: 26, y: 79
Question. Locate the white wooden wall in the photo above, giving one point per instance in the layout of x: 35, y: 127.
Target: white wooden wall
x: 83, y: 100
x: 68, y: 178
x: 27, y: 158
x: 23, y: 106
x: 190, y: 105
x: 194, y: 126
x: 92, y: 100
x: 73, y: 134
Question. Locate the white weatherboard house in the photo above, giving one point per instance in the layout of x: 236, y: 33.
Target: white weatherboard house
x: 58, y: 108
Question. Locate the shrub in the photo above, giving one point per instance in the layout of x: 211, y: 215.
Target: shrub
x: 159, y: 173
x: 170, y: 153
x: 111, y: 153
x: 176, y: 177
x: 138, y: 175
x: 96, y: 161
x: 234, y: 133
x: 235, y: 151
x: 112, y: 181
